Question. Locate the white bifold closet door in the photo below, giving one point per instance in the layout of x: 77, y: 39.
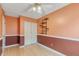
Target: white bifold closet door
x: 30, y: 33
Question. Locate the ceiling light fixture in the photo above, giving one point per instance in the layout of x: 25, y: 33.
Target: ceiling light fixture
x: 37, y: 7
x: 34, y: 8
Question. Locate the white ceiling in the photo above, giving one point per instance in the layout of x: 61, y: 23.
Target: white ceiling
x: 24, y: 9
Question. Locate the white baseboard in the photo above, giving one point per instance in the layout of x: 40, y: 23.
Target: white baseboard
x: 11, y: 45
x: 52, y: 50
x: 27, y: 45
x: 22, y: 46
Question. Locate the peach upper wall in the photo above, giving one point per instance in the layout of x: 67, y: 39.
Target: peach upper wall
x: 11, y: 25
x: 1, y: 14
x: 63, y: 22
x: 14, y: 25
x: 22, y: 20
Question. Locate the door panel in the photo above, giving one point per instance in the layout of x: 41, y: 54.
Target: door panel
x: 34, y: 32
x: 30, y: 32
x: 27, y: 32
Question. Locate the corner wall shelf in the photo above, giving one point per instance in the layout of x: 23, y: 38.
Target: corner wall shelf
x: 44, y: 27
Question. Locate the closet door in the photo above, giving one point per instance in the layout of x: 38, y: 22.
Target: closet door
x: 34, y: 32
x: 27, y: 33
x: 30, y: 33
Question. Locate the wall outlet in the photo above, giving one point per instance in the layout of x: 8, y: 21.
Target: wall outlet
x: 51, y: 44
